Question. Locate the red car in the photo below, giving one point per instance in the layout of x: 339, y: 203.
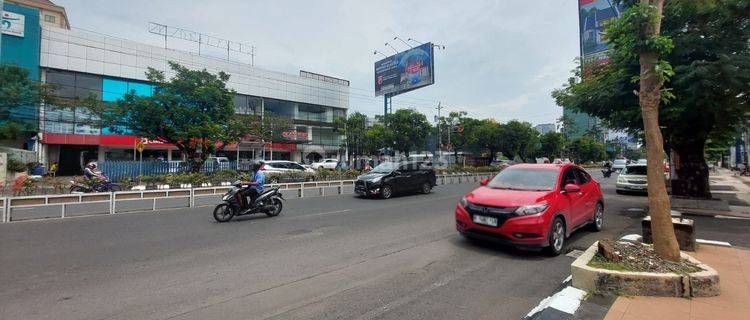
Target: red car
x: 532, y: 206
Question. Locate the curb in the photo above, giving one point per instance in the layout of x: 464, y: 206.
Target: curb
x: 561, y: 305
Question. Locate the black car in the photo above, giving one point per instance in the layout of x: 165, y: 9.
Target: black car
x: 389, y: 178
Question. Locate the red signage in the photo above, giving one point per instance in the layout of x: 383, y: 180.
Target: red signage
x: 294, y: 135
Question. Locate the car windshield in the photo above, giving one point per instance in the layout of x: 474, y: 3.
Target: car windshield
x: 385, y: 167
x: 620, y: 161
x: 536, y: 179
x: 635, y: 170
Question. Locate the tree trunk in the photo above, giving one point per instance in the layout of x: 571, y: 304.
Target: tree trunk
x: 665, y: 241
x: 692, y: 172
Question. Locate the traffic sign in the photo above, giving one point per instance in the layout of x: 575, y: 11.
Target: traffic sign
x: 460, y: 128
x: 139, y: 146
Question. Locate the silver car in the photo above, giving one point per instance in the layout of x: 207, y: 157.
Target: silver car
x: 619, y: 164
x: 632, y: 179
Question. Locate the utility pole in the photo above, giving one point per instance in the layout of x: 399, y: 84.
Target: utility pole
x: 440, y: 136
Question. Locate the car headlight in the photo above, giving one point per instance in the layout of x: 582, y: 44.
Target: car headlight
x: 532, y: 209
x: 463, y: 202
x: 622, y: 179
x: 376, y: 179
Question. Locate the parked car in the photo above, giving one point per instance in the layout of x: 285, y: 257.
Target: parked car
x: 389, y: 178
x: 325, y: 164
x: 632, y: 179
x: 532, y: 206
x: 280, y: 166
x: 501, y: 163
x: 619, y: 164
x: 641, y: 161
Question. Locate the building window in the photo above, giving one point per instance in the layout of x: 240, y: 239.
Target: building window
x: 49, y: 18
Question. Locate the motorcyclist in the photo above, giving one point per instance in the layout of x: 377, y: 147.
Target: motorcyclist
x: 91, y: 173
x: 257, y: 182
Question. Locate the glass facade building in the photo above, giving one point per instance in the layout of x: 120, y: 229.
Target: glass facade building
x: 82, y: 64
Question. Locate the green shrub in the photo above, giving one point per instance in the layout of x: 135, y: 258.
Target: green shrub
x: 15, y: 165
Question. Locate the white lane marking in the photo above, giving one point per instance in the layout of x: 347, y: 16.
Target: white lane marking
x: 714, y: 242
x: 327, y: 213
x: 567, y: 300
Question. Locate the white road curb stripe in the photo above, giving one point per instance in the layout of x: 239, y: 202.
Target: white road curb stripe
x: 566, y: 300
x: 714, y: 242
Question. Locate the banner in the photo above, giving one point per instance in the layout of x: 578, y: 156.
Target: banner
x: 12, y: 24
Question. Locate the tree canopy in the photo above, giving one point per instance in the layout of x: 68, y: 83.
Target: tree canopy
x: 193, y: 110
x: 408, y: 129
x: 707, y: 63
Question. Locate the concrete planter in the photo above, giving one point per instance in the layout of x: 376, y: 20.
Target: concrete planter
x: 698, y: 284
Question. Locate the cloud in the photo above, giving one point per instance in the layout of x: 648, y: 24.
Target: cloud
x: 501, y: 60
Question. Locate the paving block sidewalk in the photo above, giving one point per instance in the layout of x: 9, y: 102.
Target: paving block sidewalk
x: 733, y: 265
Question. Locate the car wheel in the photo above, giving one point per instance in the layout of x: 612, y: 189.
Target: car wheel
x: 556, y: 237
x: 386, y: 192
x: 426, y: 187
x: 598, y: 222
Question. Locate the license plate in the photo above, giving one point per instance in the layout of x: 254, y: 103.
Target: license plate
x: 488, y: 221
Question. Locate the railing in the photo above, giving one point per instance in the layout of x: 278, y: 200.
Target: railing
x: 70, y: 205
x: 116, y: 170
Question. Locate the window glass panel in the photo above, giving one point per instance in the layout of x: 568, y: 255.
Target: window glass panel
x: 140, y: 89
x: 279, y: 108
x: 64, y: 83
x: 569, y: 177
x: 113, y: 89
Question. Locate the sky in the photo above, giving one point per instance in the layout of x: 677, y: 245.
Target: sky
x: 501, y: 59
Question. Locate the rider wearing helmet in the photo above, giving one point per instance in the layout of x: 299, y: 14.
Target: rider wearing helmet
x: 257, y: 182
x: 90, y: 171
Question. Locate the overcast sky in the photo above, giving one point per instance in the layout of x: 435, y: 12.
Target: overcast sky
x: 501, y: 61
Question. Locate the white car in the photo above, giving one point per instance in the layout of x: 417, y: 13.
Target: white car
x: 325, y: 164
x: 279, y: 166
x: 642, y: 161
x: 619, y: 164
x: 633, y: 178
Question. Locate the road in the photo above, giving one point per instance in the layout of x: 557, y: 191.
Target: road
x: 337, y: 257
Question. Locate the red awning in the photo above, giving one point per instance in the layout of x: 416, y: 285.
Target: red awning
x: 126, y: 141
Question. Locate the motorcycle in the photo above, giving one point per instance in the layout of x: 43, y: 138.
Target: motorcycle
x: 98, y: 185
x: 607, y: 172
x: 268, y: 202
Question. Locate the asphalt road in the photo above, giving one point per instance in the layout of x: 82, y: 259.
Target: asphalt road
x: 337, y: 257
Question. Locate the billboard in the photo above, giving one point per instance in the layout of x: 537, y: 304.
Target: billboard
x: 592, y: 18
x: 405, y: 71
x: 12, y: 23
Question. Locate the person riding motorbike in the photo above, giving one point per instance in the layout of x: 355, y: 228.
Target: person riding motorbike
x: 91, y: 173
x: 607, y: 169
x: 257, y: 182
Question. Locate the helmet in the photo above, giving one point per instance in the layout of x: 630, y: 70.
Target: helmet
x: 256, y: 165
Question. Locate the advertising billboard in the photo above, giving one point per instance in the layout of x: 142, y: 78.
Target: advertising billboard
x: 593, y: 15
x: 405, y: 71
x: 12, y: 23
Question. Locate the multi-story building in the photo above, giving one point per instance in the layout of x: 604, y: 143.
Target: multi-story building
x: 80, y: 63
x: 50, y: 14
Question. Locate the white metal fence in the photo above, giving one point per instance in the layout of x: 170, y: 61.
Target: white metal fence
x: 70, y: 205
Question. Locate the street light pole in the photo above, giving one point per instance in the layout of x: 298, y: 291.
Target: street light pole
x: 2, y: 5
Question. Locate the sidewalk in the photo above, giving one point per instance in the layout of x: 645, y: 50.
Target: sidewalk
x: 731, y: 193
x: 733, y: 265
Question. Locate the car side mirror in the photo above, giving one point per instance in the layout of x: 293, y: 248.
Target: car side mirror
x: 484, y: 182
x: 572, y: 188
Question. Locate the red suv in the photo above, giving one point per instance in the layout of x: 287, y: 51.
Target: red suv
x: 532, y: 206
